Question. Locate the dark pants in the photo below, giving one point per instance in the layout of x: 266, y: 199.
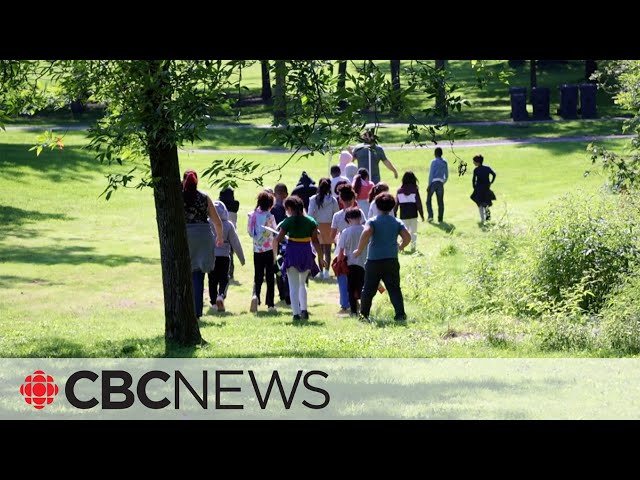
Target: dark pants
x: 231, y: 264
x: 197, y: 277
x: 219, y: 279
x: 387, y: 270
x: 283, y: 288
x: 438, y: 189
x: 263, y: 266
x: 355, y: 281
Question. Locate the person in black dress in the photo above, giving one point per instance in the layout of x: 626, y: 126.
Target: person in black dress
x: 481, y: 181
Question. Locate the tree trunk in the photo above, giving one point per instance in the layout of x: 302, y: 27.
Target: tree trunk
x: 441, y: 94
x: 342, y: 74
x: 279, y: 95
x: 590, y: 66
x: 181, y: 324
x: 395, y: 82
x: 266, y: 82
x: 533, y: 74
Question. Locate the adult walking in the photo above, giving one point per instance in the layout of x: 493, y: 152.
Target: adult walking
x: 369, y: 154
x: 438, y: 176
x: 198, y: 210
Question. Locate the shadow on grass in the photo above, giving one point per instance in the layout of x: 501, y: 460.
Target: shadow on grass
x: 444, y: 226
x: 7, y: 281
x: 59, y: 347
x: 13, y: 221
x: 308, y: 323
x: 72, y: 255
x: 56, y: 166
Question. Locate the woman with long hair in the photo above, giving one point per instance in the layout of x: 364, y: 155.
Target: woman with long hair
x: 199, y: 211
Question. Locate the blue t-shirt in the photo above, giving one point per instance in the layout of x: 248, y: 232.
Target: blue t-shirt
x: 384, y: 241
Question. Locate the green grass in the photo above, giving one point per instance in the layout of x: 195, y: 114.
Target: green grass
x: 80, y: 276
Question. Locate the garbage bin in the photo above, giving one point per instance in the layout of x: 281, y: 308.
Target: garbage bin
x: 568, y: 101
x: 540, y: 102
x: 518, y: 104
x: 588, y: 108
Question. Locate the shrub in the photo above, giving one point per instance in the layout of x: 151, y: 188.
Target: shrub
x: 621, y: 317
x: 589, y: 240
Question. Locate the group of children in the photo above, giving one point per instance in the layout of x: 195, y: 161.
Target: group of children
x: 347, y: 210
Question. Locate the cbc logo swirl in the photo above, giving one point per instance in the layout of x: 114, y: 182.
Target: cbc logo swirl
x: 39, y: 389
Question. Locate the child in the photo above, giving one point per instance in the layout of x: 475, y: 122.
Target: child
x: 281, y: 192
x: 219, y: 277
x: 381, y: 233
x: 350, y: 171
x: 338, y: 224
x: 347, y: 243
x: 379, y: 188
x: 345, y: 158
x: 263, y: 255
x: 410, y: 205
x: 322, y: 207
x: 228, y: 199
x: 362, y: 186
x: 299, y: 261
x: 336, y: 177
x: 482, y: 194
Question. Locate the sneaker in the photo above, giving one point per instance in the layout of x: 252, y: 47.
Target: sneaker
x: 304, y: 315
x: 364, y: 319
x: 213, y: 307
x: 272, y: 309
x: 254, y: 304
x: 296, y: 318
x: 430, y: 219
x: 487, y: 213
x: 344, y: 311
x: 220, y: 303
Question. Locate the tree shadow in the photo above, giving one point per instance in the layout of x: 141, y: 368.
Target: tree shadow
x: 71, y: 255
x: 13, y: 221
x: 57, y: 166
x: 7, y: 281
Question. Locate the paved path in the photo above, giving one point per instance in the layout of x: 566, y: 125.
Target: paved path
x: 381, y: 125
x: 457, y: 144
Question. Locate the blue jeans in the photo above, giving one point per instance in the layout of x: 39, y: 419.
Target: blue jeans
x: 343, y: 285
x: 198, y: 290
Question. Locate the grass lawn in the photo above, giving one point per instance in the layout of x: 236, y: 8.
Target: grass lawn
x: 80, y: 277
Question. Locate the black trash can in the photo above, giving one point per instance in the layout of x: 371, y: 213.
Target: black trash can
x: 519, y: 104
x: 568, y: 101
x: 588, y: 108
x: 540, y: 98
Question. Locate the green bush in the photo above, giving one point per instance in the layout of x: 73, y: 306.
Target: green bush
x: 590, y: 240
x: 621, y: 317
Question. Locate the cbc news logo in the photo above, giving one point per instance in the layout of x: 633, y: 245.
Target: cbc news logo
x: 39, y: 389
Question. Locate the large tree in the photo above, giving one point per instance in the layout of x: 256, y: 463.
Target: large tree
x: 154, y: 107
